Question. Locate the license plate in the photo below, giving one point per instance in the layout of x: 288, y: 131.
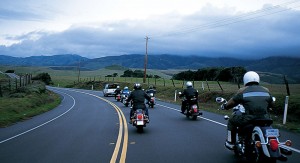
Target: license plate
x: 140, y: 122
x: 272, y: 133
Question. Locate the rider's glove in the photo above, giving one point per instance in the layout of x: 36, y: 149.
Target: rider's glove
x: 223, y: 107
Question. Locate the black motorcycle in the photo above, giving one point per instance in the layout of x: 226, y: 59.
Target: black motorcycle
x: 151, y: 103
x: 192, y: 108
x: 258, y: 141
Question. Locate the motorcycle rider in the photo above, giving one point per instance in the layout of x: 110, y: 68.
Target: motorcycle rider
x: 117, y: 91
x: 150, y: 90
x: 125, y: 90
x: 138, y: 97
x: 256, y: 100
x: 188, y: 93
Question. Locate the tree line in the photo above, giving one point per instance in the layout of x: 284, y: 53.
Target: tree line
x: 228, y: 74
x: 135, y: 73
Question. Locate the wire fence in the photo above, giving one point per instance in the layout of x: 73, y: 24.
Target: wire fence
x: 9, y: 85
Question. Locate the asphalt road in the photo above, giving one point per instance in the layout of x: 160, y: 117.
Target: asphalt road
x: 87, y: 127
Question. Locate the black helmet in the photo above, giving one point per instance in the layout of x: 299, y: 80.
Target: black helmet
x: 137, y: 86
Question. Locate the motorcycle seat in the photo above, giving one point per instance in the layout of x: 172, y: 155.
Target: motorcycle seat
x: 262, y: 122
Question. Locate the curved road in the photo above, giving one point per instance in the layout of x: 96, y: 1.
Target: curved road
x: 87, y: 127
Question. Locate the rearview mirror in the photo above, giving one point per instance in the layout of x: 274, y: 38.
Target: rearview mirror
x: 220, y: 99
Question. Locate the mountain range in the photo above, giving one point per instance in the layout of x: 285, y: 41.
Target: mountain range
x: 289, y: 66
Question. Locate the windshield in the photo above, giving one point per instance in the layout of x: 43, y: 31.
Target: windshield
x: 112, y: 86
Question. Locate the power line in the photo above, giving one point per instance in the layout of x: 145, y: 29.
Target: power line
x: 237, y: 19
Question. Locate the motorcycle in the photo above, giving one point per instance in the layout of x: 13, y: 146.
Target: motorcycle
x: 258, y: 141
x: 124, y: 98
x: 139, y: 119
x: 151, y: 103
x: 192, y: 109
x: 118, y: 97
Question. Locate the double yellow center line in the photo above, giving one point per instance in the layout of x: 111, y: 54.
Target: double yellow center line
x: 123, y: 132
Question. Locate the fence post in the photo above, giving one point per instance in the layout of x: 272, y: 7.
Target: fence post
x: 285, y: 109
x: 20, y: 81
x: 16, y: 83
x: 220, y: 85
x: 0, y: 90
x: 287, y: 86
x: 9, y: 84
x: 207, y: 85
x: 173, y: 82
x: 175, y: 95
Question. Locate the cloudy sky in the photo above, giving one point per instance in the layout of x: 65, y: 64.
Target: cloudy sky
x: 98, y: 28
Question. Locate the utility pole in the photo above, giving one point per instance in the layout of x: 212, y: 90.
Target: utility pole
x: 146, y: 60
x: 78, y: 70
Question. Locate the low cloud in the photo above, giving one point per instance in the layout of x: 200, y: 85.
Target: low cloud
x: 221, y: 34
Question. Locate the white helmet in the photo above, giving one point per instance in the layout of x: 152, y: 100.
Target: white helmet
x: 125, y: 87
x: 189, y: 84
x: 251, y: 76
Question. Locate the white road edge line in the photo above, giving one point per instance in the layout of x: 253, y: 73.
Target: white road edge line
x: 290, y: 148
x: 43, y: 123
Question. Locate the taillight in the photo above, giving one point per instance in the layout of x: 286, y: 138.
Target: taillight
x: 140, y: 116
x: 274, y: 144
x: 195, y: 108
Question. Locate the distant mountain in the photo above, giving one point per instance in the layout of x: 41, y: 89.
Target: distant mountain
x: 163, y: 62
x: 271, y: 66
x: 55, y: 60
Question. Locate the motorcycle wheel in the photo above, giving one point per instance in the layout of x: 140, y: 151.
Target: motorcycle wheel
x: 195, y: 117
x: 140, y: 128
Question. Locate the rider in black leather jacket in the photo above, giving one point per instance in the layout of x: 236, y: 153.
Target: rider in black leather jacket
x: 138, y: 97
x: 188, y: 93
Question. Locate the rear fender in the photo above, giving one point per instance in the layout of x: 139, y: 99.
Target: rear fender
x: 257, y: 132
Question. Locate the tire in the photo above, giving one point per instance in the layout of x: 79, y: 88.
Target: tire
x: 140, y: 128
x: 195, y: 117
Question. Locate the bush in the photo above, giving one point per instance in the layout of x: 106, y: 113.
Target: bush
x: 45, y: 77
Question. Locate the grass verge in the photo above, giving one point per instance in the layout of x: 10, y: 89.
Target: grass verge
x: 19, y: 106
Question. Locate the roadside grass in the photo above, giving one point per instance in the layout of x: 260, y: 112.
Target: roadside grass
x: 26, y: 103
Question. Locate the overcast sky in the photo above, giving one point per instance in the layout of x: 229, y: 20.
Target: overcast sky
x: 98, y: 28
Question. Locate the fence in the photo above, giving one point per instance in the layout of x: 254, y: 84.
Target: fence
x: 8, y: 85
